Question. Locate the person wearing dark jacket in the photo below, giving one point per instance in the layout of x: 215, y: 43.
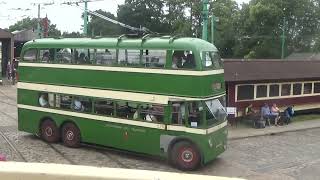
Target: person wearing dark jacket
x: 289, y: 112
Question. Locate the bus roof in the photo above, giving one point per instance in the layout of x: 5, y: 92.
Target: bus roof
x: 166, y: 42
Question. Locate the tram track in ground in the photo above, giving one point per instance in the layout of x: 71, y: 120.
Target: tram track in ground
x: 13, y: 147
x: 61, y: 154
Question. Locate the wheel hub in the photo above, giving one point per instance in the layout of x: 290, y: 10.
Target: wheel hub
x: 48, y: 131
x: 187, y: 156
x: 70, y: 135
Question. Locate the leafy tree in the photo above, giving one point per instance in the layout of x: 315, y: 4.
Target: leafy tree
x: 143, y: 13
x: 71, y: 35
x: 28, y: 23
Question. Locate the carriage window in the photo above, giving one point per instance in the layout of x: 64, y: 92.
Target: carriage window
x: 178, y: 113
x: 63, y: 101
x: 46, y: 100
x: 183, y: 60
x: 64, y: 55
x: 46, y: 55
x: 82, y: 104
x: 106, y: 56
x: 274, y: 90
x: 152, y: 112
x: 285, y: 89
x: 261, y: 91
x: 127, y: 110
x: 297, y: 88
x: 245, y: 92
x: 104, y: 107
x: 81, y: 56
x: 129, y: 57
x: 211, y: 60
x: 307, y: 88
x: 154, y: 58
x: 30, y: 55
x: 316, y: 88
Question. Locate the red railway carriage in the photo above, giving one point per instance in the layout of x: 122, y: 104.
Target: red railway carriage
x: 284, y: 82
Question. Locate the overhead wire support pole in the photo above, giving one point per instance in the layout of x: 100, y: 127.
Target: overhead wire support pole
x: 85, y: 18
x: 205, y: 14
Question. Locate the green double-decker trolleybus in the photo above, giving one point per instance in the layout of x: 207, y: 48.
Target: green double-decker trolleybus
x: 162, y: 96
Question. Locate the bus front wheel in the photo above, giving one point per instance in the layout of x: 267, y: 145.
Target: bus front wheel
x: 71, y: 135
x: 185, y: 156
x: 49, y: 131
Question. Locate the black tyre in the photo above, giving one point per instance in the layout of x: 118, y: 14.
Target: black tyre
x: 71, y: 135
x: 185, y: 156
x: 49, y: 131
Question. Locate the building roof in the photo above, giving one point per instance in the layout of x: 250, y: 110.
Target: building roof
x: 270, y: 69
x: 24, y: 35
x: 5, y: 34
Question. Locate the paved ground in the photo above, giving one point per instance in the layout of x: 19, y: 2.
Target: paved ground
x: 290, y: 155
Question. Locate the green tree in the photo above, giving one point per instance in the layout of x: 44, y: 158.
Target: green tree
x: 28, y: 23
x: 143, y: 13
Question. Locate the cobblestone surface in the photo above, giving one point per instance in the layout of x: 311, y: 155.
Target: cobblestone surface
x: 292, y: 155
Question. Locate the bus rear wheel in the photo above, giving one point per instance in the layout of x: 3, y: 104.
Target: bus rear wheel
x: 71, y: 135
x: 185, y: 156
x: 49, y: 131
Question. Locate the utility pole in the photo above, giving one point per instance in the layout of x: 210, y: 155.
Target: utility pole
x: 85, y: 18
x: 283, y: 37
x: 205, y: 14
x: 39, y: 33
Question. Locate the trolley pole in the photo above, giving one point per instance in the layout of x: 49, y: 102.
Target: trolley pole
x: 283, y: 38
x: 85, y: 18
x: 205, y: 14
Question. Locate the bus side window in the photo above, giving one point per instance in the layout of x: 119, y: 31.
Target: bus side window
x: 194, y: 115
x: 129, y: 57
x: 152, y: 113
x: 182, y: 59
x: 104, y: 107
x: 30, y: 55
x: 128, y: 110
x: 46, y: 55
x: 82, y: 104
x: 106, y: 56
x: 81, y: 56
x: 178, y: 113
x: 64, y: 56
x: 46, y: 99
x: 154, y: 58
x: 64, y: 101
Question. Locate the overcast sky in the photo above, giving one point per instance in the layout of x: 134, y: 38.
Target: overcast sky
x: 67, y: 18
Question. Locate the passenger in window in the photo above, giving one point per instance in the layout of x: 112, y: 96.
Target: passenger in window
x: 43, y: 100
x: 177, y: 59
x: 77, y: 105
x: 189, y: 63
x: 45, y: 57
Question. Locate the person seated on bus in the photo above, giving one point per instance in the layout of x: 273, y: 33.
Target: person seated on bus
x: 189, y: 63
x: 77, y: 105
x: 43, y: 100
x: 82, y: 59
x: 177, y: 59
x: 45, y: 57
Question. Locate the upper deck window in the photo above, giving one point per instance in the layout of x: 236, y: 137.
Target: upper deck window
x: 183, y: 60
x: 128, y: 57
x: 106, y: 56
x: 64, y: 56
x: 211, y: 60
x: 30, y: 55
x: 154, y: 58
